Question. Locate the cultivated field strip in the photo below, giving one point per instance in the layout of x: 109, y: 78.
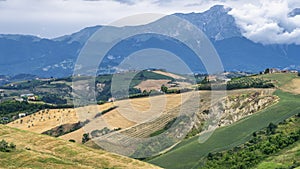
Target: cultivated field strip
x: 192, y: 107
x: 125, y: 137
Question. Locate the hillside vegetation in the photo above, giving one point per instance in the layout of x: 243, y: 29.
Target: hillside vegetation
x: 264, y: 143
x: 287, y: 158
x: 39, y: 151
x: 190, y: 152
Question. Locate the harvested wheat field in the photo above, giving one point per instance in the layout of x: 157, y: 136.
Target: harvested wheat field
x: 149, y: 85
x: 45, y: 120
x: 50, y: 118
x: 40, y: 151
x: 115, y: 120
x: 293, y: 86
x: 130, y: 113
x: 127, y: 113
x: 144, y: 109
x: 169, y: 74
x: 75, y: 135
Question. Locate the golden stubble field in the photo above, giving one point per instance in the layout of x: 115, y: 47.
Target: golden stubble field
x: 127, y: 114
x: 169, y: 74
x: 40, y: 151
x: 293, y: 86
x: 149, y: 85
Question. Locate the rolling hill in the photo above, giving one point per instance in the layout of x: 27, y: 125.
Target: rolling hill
x: 40, y: 151
x: 138, y: 118
x: 191, y: 152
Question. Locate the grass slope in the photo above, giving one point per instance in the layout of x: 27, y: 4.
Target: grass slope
x: 283, y: 159
x: 40, y: 151
x: 273, y: 141
x: 188, y: 153
x: 280, y: 79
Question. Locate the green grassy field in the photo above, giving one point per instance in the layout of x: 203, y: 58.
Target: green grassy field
x: 283, y: 159
x: 188, y: 153
x: 279, y: 79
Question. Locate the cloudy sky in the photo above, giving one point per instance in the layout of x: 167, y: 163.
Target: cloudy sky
x: 265, y: 21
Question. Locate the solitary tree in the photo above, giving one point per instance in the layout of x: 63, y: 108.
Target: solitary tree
x: 5, y: 147
x: 85, y: 138
x: 205, y: 80
x: 164, y: 88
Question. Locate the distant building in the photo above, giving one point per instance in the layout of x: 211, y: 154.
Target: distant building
x: 294, y: 71
x: 22, y: 115
x: 43, y: 80
x: 31, y: 98
x: 227, y: 80
x: 112, y: 99
x: 271, y: 70
x: 5, y: 119
x: 173, y: 85
x: 19, y: 99
x: 27, y: 95
x: 211, y: 78
x: 285, y: 71
x: 274, y: 70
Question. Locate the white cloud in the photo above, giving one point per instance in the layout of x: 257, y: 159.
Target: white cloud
x: 267, y: 21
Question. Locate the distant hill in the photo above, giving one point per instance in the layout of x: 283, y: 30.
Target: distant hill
x: 40, y: 151
x: 57, y: 57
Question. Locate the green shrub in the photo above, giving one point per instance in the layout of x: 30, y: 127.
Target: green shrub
x: 6, y: 147
x: 238, y: 83
x: 85, y: 138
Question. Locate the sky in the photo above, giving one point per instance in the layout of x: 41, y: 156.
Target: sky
x: 264, y: 21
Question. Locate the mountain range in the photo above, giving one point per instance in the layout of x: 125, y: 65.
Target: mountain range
x: 23, y: 54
